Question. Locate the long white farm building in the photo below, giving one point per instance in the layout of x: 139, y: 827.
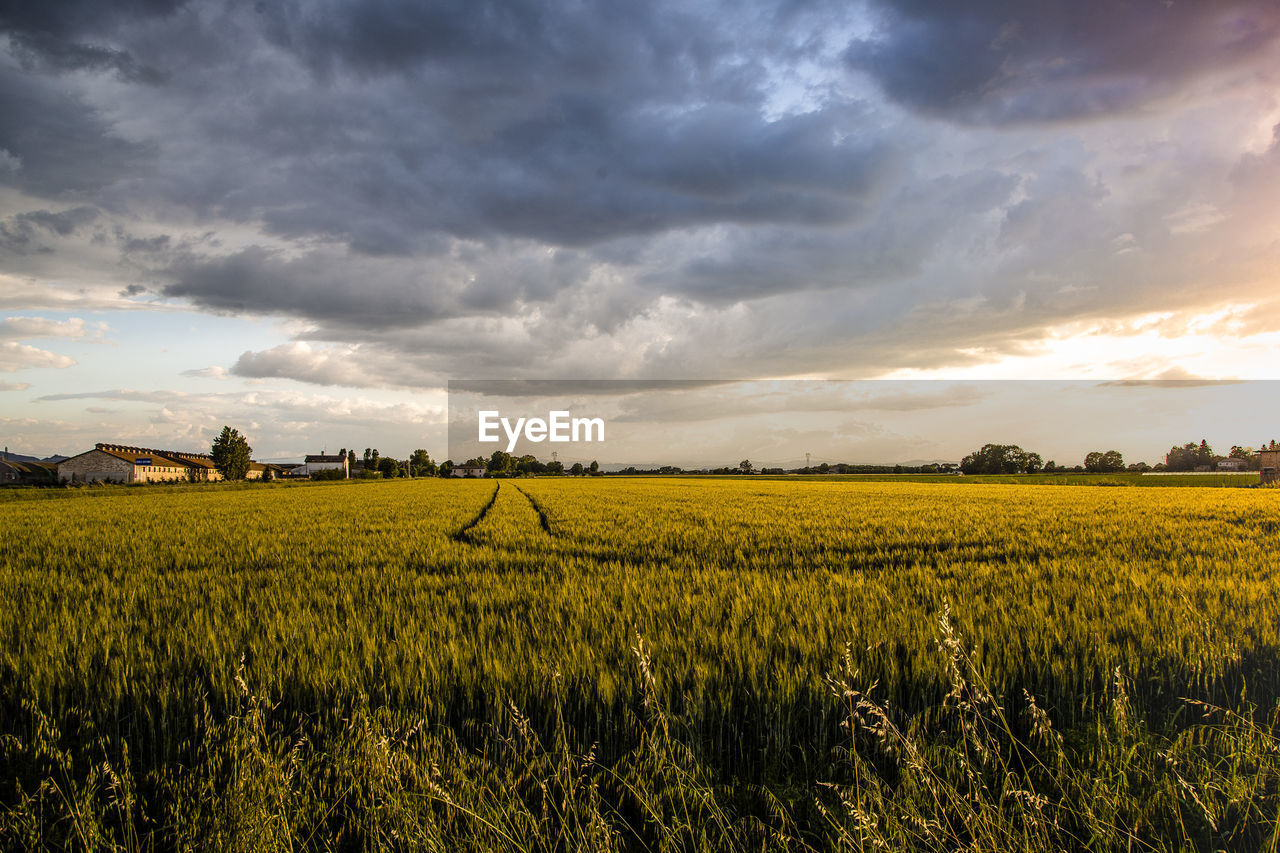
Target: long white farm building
x: 118, y: 463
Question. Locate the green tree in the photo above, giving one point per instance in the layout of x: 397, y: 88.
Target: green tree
x: 420, y: 464
x: 389, y: 467
x: 351, y: 460
x: 1204, y: 453
x: 267, y: 476
x: 1001, y: 459
x: 527, y: 464
x: 1098, y: 462
x: 577, y: 469
x: 595, y: 466
x: 1188, y: 456
x: 745, y: 466
x: 500, y: 461
x: 230, y: 454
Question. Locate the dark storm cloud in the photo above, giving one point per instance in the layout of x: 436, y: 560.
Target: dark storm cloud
x: 75, y: 36
x: 59, y: 144
x: 1001, y: 61
x: 77, y: 18
x: 478, y: 42
x: 567, y: 124
x: 50, y: 54
x: 586, y: 175
x: 333, y: 286
x: 22, y: 234
x: 63, y: 223
x: 891, y: 245
x: 316, y: 285
x: 633, y: 189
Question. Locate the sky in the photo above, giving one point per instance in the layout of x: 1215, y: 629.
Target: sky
x: 303, y: 219
x: 774, y: 423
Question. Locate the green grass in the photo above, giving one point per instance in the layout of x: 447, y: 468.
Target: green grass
x: 641, y: 664
x: 1212, y: 480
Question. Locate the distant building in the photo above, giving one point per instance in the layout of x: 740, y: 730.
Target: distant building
x: 1232, y: 464
x: 119, y: 463
x: 15, y: 473
x: 116, y: 463
x: 257, y: 469
x: 200, y: 466
x: 1270, y: 464
x: 320, y: 462
x: 467, y: 471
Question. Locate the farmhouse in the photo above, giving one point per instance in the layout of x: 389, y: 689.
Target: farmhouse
x: 320, y: 462
x: 1232, y: 464
x: 118, y: 463
x: 467, y: 471
x: 258, y: 469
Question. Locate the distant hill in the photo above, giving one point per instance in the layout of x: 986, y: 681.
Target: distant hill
x: 22, y: 457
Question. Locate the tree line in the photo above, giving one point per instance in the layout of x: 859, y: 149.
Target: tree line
x: 230, y: 453
x: 503, y: 464
x: 1192, y: 456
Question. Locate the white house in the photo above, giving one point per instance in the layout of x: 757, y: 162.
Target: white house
x: 319, y: 462
x: 467, y: 471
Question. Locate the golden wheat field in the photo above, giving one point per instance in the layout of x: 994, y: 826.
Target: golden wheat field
x: 641, y: 664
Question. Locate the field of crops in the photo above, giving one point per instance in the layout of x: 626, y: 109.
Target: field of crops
x: 641, y: 664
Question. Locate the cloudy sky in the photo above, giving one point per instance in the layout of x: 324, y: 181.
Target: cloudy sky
x: 775, y: 422
x: 304, y: 218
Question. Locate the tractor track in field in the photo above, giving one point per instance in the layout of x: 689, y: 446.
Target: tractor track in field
x: 464, y: 535
x: 542, y: 515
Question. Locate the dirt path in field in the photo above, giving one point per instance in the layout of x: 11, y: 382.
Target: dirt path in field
x: 542, y: 515
x: 464, y: 535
